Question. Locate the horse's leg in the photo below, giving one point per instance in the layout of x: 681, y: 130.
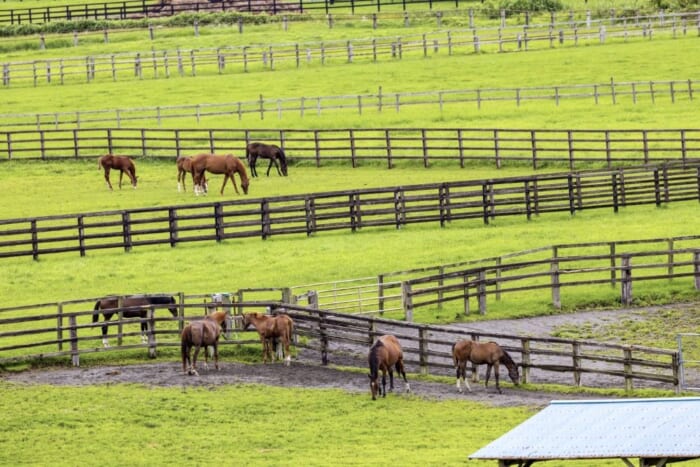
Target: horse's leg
x: 105, y: 330
x: 488, y: 373
x: 194, y: 360
x: 216, y: 355
x: 251, y: 162
x: 383, y: 383
x: 121, y: 175
x: 462, y: 370
x: 269, y: 166
x: 144, y: 331
x: 288, y: 357
x: 391, y: 379
x: 109, y: 184
x: 496, y: 376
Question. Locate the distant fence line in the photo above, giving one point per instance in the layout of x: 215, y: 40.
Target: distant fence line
x: 426, y: 347
x: 309, y: 214
x: 155, y: 64
x: 134, y: 9
x: 612, y: 92
x: 390, y: 146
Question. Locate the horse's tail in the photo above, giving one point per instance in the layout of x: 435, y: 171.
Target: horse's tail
x: 99, y: 162
x: 283, y: 160
x: 374, y: 360
x: 96, y: 312
x: 455, y: 360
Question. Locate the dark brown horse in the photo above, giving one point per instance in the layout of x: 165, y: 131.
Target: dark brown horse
x: 490, y: 353
x: 184, y: 166
x: 136, y: 306
x: 202, y: 333
x: 227, y: 165
x: 271, y: 328
x: 384, y: 355
x: 275, y: 154
x: 120, y: 163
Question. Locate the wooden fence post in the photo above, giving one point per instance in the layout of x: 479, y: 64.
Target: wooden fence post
x: 696, y: 268
x: 577, y: 363
x: 626, y: 281
x: 151, y: 332
x: 380, y: 293
x: 407, y: 301
x: 525, y: 360
x: 423, y: 350
x: 482, y: 292
x: 74, y: 352
x: 323, y: 337
x: 554, y: 271
x: 59, y: 326
x: 628, y: 368
x: 465, y: 294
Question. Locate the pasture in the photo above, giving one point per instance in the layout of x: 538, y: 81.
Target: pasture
x: 262, y: 425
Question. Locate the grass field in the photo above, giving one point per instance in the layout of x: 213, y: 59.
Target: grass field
x: 254, y: 425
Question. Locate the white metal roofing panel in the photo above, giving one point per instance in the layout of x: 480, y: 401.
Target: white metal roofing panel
x: 604, y: 428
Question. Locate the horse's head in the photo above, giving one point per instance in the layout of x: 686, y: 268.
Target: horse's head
x: 246, y: 321
x: 514, y: 375
x: 374, y: 385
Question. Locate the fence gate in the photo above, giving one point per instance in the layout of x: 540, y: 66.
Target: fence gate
x: 689, y: 352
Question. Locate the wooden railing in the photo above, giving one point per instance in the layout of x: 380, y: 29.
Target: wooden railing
x: 309, y: 214
x: 26, y: 334
x: 390, y: 146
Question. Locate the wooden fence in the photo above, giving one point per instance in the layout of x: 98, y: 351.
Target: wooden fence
x: 24, y: 335
x: 387, y: 294
x: 226, y: 59
x: 390, y: 146
x: 133, y: 9
x: 308, y: 214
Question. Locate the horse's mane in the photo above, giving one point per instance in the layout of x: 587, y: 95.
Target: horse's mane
x: 374, y: 360
x: 507, y: 359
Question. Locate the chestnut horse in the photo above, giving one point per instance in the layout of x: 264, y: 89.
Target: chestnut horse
x: 136, y: 306
x: 478, y: 353
x: 227, y: 165
x: 385, y: 354
x: 202, y: 333
x: 120, y: 163
x: 266, y: 151
x: 269, y: 329
x: 184, y: 166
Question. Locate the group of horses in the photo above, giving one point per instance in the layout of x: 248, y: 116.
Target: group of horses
x: 276, y: 329
x: 199, y: 164
x: 386, y: 354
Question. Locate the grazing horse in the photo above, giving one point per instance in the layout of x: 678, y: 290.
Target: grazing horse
x: 202, y: 333
x: 227, y: 165
x: 120, y: 163
x: 184, y: 166
x: 270, y: 328
x: 266, y: 151
x: 137, y: 305
x: 478, y: 353
x: 385, y: 354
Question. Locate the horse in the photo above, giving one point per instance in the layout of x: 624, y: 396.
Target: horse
x: 270, y: 328
x: 267, y: 151
x: 478, y: 353
x: 202, y: 333
x: 227, y: 165
x: 138, y: 307
x: 385, y: 354
x: 120, y: 163
x: 184, y: 166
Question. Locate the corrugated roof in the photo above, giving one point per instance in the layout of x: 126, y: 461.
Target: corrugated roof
x: 595, y: 429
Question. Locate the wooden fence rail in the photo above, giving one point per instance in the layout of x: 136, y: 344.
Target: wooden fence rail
x: 308, y: 214
x: 596, y: 93
x: 427, y: 348
x: 390, y: 146
x: 226, y: 59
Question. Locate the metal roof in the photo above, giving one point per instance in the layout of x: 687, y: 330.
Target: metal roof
x: 595, y: 429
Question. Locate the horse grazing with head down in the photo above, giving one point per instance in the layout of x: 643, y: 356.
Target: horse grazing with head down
x: 227, y: 165
x: 490, y: 353
x: 272, y: 329
x: 120, y: 163
x: 384, y: 355
x: 202, y: 333
x: 135, y: 306
x: 184, y: 166
x: 274, y: 153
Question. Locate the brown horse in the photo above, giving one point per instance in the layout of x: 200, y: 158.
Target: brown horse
x: 202, y: 333
x: 184, y: 166
x: 267, y: 151
x: 269, y: 329
x: 120, y: 163
x: 227, y: 165
x: 136, y: 306
x: 478, y: 353
x: 385, y: 354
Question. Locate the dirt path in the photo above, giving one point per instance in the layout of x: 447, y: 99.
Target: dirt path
x: 305, y: 371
